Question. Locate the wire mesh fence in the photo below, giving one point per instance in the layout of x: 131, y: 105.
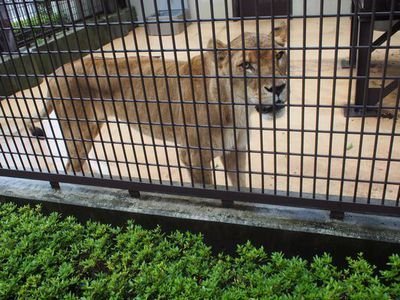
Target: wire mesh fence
x: 34, y: 19
x: 282, y: 102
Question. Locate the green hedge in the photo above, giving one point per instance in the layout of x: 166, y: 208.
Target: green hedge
x: 48, y: 257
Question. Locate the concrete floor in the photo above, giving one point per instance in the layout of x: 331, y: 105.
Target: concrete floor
x: 343, y: 166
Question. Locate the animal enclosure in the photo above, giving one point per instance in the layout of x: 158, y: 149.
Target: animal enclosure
x: 296, y: 109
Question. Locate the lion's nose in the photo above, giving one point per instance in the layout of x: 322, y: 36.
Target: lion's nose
x: 278, y: 89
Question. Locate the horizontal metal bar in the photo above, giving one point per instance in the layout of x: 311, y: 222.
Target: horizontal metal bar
x: 361, y: 14
x: 264, y: 152
x: 181, y: 167
x: 130, y: 76
x: 194, y: 50
x: 263, y: 129
x: 355, y: 207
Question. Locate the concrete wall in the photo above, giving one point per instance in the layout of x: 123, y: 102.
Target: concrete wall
x: 204, y: 7
x: 148, y: 8
x: 205, y: 11
x: 314, y: 7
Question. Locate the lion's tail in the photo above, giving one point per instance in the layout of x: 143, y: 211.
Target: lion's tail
x: 43, y: 114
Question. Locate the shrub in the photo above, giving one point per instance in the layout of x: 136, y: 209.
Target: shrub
x: 35, y: 25
x: 49, y: 257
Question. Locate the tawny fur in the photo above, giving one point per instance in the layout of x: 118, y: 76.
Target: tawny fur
x: 199, y: 105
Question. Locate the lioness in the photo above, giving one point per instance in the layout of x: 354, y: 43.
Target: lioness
x: 207, y: 119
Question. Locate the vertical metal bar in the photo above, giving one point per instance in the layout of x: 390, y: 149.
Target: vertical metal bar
x: 332, y: 124
x: 3, y: 153
x: 136, y: 45
x: 44, y: 101
x: 398, y: 197
x: 70, y: 94
x: 260, y: 90
x: 275, y: 140
x: 181, y: 96
x: 353, y: 36
x: 4, y: 114
x: 321, y: 29
x: 96, y: 25
x: 166, y: 86
x: 99, y: 87
x: 41, y: 95
x: 365, y: 90
x: 303, y: 95
x: 228, y: 39
x: 40, y: 91
x: 205, y: 91
x: 124, y: 102
x: 19, y: 107
x: 246, y: 98
x: 220, y: 104
x: 364, y: 52
x: 31, y: 91
x: 12, y: 136
x: 288, y: 99
x: 123, y: 98
x: 170, y: 100
x: 59, y: 90
x: 9, y: 38
x: 390, y: 153
x: 349, y: 100
x: 96, y: 119
x: 156, y: 92
x: 380, y: 97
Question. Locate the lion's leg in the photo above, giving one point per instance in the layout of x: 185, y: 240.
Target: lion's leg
x: 235, y: 160
x: 200, y: 165
x: 80, y: 137
x: 235, y: 165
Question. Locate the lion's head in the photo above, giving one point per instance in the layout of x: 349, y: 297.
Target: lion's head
x: 256, y: 69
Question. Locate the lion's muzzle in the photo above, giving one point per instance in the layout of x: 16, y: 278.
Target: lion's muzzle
x: 270, y: 109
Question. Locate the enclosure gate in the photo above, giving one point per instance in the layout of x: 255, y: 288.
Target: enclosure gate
x: 204, y: 99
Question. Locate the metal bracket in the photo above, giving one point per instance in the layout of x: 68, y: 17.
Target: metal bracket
x: 227, y: 203
x: 55, y: 185
x: 337, y: 215
x: 356, y: 111
x: 134, y: 193
x: 345, y: 64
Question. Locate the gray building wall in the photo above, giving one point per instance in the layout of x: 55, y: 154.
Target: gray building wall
x: 314, y: 7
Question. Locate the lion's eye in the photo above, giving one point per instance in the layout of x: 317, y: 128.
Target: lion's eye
x: 280, y: 54
x: 246, y: 65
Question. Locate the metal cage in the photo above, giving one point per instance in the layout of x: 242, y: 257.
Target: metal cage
x: 250, y: 101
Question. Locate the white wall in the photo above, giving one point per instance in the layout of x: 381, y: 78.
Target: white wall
x: 314, y: 7
x: 204, y: 7
x: 148, y: 6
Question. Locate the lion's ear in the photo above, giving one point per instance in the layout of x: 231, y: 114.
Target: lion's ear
x: 280, y: 34
x: 221, y: 48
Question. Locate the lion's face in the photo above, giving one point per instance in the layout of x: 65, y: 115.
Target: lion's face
x: 261, y: 74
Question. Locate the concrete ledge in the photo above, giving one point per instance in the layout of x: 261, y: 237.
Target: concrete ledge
x: 356, y: 226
